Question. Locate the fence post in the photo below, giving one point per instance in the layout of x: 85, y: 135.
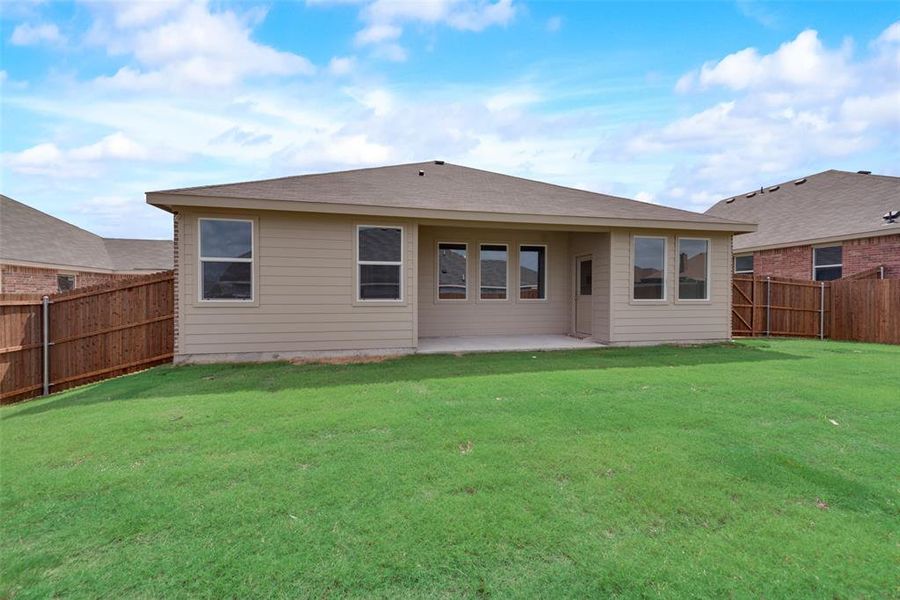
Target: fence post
x: 45, y: 342
x: 768, y: 305
x: 821, y: 310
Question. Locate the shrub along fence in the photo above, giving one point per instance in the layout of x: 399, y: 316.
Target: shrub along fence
x: 862, y: 308
x: 84, y: 335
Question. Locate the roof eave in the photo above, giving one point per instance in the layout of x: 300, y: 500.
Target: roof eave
x: 168, y: 201
x: 819, y: 240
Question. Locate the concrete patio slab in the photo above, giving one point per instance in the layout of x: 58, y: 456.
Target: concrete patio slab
x: 502, y: 343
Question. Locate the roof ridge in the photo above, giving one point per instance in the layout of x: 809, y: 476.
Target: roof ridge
x: 792, y: 180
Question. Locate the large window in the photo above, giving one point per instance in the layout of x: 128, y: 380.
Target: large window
x: 533, y: 272
x: 226, y: 259
x: 693, y: 269
x: 380, y: 263
x: 649, y: 268
x: 743, y: 263
x: 452, y: 267
x: 493, y: 259
x: 827, y: 263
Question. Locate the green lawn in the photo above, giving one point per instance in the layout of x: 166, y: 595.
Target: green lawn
x: 761, y: 469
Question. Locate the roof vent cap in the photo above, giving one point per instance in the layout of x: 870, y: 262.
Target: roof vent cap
x: 799, y: 181
x: 729, y: 201
x: 421, y: 173
x: 751, y: 194
x: 864, y: 172
x: 438, y: 162
x: 890, y: 218
x: 774, y: 188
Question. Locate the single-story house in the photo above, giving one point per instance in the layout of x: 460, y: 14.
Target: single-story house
x: 820, y: 227
x: 41, y: 254
x: 403, y: 258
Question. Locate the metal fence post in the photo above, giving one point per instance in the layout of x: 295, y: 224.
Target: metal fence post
x: 821, y: 310
x: 768, y: 306
x: 45, y: 331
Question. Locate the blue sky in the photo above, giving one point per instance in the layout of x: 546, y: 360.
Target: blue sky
x: 675, y: 103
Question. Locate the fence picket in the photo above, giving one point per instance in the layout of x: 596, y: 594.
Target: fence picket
x: 95, y: 333
x: 857, y: 308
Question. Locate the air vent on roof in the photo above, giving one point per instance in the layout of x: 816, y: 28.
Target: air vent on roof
x: 864, y: 172
x: 890, y: 218
x: 729, y: 201
x: 438, y: 162
x: 421, y: 173
x: 799, y: 181
x: 774, y: 188
x: 751, y: 194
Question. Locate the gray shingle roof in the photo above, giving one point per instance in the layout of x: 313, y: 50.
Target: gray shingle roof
x: 444, y: 187
x: 832, y: 204
x: 29, y: 235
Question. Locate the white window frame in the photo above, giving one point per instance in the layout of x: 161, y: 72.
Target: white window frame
x: 201, y: 259
x: 401, y: 264
x: 665, y: 279
x: 437, y: 272
x: 74, y: 277
x: 708, y: 271
x: 743, y: 255
x: 508, y: 261
x: 816, y: 267
x: 546, y: 297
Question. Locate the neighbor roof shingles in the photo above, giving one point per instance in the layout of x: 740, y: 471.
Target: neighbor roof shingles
x: 832, y: 204
x: 444, y: 187
x: 29, y: 235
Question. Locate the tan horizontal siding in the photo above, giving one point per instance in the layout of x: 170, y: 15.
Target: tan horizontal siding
x: 305, y: 296
x: 674, y: 320
x: 476, y: 317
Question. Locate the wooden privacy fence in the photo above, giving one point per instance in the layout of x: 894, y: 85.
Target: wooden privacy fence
x: 860, y: 308
x: 92, y: 334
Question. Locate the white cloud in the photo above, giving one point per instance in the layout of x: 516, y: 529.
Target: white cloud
x: 801, y: 63
x: 802, y: 107
x: 26, y: 34
x: 47, y: 159
x: 187, y: 48
x: 554, y: 24
x: 384, y: 19
x: 341, y: 65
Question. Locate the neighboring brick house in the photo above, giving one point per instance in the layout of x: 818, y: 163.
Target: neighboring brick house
x: 44, y: 255
x: 825, y: 226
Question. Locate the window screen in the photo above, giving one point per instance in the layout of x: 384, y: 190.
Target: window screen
x: 226, y: 259
x: 452, y: 266
x: 693, y: 257
x: 533, y: 272
x: 649, y: 268
x: 828, y: 263
x: 380, y: 263
x: 743, y: 264
x: 493, y: 262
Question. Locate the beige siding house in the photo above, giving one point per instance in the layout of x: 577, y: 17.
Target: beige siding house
x: 390, y: 259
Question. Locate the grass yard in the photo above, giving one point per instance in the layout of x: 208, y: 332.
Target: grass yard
x: 760, y: 469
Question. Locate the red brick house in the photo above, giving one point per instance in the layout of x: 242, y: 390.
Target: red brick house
x: 821, y: 227
x: 44, y: 255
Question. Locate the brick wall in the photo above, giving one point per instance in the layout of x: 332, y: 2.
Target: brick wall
x: 794, y: 262
x: 858, y: 255
x: 36, y: 280
x: 863, y: 254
